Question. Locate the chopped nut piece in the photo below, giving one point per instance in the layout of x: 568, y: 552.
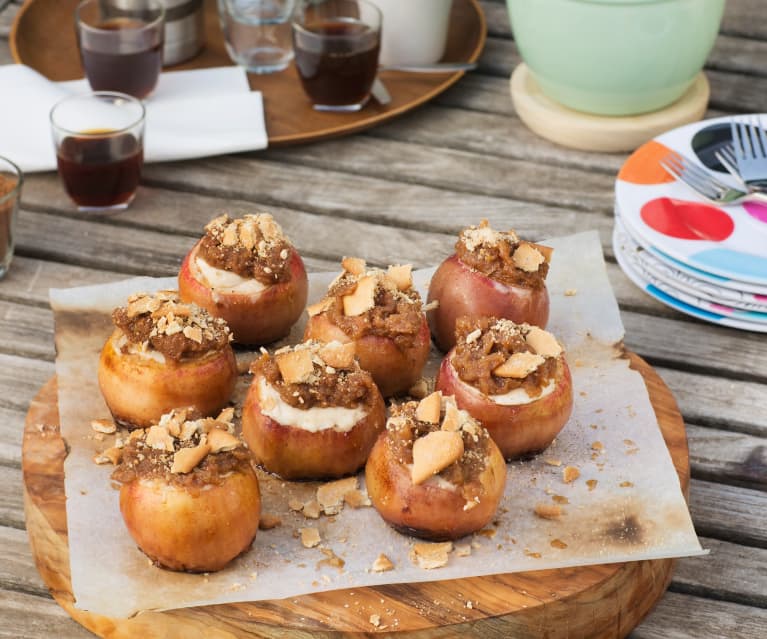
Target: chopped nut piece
x: 519, y: 365
x: 105, y: 426
x: 429, y: 556
x: 310, y: 537
x: 558, y: 543
x: 338, y: 355
x: 474, y: 336
x: 318, y: 307
x: 269, y: 521
x: 311, y: 509
x: 527, y: 257
x: 570, y: 473
x: 462, y: 550
x: 356, y: 499
x: 375, y: 620
x: 382, y: 564
x: 295, y: 366
x: 452, y: 421
x: 248, y: 235
x: 111, y: 455
x: 221, y: 440
x: 548, y: 511
x: 354, y: 265
x: 435, y: 452
x: 194, y: 333
x: 159, y: 438
x: 331, y: 495
x: 543, y: 342
x: 187, y: 430
x: 186, y: 459
x: 295, y: 504
x: 597, y: 446
x: 419, y: 390
x: 570, y: 292
x: 626, y: 484
x: 401, y: 275
x: 428, y: 408
x: 553, y: 462
x: 592, y: 484
x: 230, y: 235
x: 559, y: 499
x: 362, y: 299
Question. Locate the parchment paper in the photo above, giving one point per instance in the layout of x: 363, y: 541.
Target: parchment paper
x: 634, y: 511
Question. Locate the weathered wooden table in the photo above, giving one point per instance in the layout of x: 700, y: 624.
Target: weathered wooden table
x: 399, y: 193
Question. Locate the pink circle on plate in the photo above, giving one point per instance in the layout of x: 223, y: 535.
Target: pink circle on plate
x: 759, y: 211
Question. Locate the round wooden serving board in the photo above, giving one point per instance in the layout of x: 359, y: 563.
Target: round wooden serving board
x: 591, y: 601
x: 43, y: 37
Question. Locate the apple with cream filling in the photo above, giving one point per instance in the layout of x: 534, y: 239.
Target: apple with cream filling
x: 435, y: 472
x: 381, y: 314
x: 248, y: 273
x: 311, y: 412
x: 512, y: 378
x: 492, y: 273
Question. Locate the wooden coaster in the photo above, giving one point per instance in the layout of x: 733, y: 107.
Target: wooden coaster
x: 604, y: 133
x: 604, y: 601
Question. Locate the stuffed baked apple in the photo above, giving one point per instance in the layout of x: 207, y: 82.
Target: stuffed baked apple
x: 492, y: 273
x: 381, y: 313
x: 247, y: 272
x: 511, y: 377
x: 435, y: 472
x: 189, y: 496
x: 311, y: 412
x: 164, y: 354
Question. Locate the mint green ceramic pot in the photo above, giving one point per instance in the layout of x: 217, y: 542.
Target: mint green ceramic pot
x: 615, y: 57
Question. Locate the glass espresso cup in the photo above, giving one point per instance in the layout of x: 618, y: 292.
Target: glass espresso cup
x: 336, y: 45
x: 121, y: 44
x: 99, y: 140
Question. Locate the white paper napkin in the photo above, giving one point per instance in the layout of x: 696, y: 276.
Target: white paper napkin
x: 191, y: 114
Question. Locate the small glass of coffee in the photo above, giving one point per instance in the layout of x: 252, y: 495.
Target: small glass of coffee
x: 121, y: 44
x: 336, y: 45
x: 11, y: 180
x: 99, y: 140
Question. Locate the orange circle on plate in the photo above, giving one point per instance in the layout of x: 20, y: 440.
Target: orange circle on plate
x: 643, y: 165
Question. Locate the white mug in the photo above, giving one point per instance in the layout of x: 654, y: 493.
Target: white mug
x: 413, y: 31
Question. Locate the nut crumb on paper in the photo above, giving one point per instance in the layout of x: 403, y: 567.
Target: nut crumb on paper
x: 558, y: 543
x: 592, y: 484
x: 571, y: 292
x: 310, y: 537
x: 269, y: 521
x: 331, y: 495
x: 331, y: 559
x: 548, y: 511
x: 311, y: 509
x: 462, y: 550
x: 570, y: 474
x: 429, y: 555
x: 357, y: 499
x: 382, y: 564
x: 105, y: 426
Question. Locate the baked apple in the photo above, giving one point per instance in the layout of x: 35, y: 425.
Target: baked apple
x: 511, y: 377
x: 380, y: 312
x: 247, y: 272
x: 164, y: 354
x: 435, y: 472
x: 311, y: 412
x: 189, y: 496
x: 492, y: 273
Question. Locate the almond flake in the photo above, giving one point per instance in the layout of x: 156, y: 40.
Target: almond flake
x: 268, y: 521
x: 434, y: 452
x: 141, y: 305
x: 527, y: 258
x: 193, y: 333
x: 382, y: 564
x: 159, y: 438
x: 354, y: 265
x: 185, y: 460
x: 187, y: 430
x: 226, y: 415
x: 546, y: 251
x: 221, y: 441
x: 570, y: 473
x: 362, y: 299
x: 429, y: 407
x: 319, y: 307
x: 429, y: 555
x: 111, y: 455
x: 552, y: 462
x: 310, y: 537
x: 548, y: 511
x: 401, y: 275
x: 295, y: 366
x: 331, y: 495
x: 519, y: 365
x: 105, y: 426
x: 571, y: 292
x: 543, y: 342
x: 452, y: 421
x: 338, y: 355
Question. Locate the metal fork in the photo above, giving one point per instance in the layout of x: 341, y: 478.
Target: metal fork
x: 705, y: 184
x: 750, y: 146
x: 726, y: 157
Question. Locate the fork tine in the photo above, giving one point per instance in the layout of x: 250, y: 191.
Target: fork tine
x: 737, y: 143
x: 728, y: 152
x: 756, y: 147
x: 675, y: 166
x: 761, y: 134
x: 695, y: 171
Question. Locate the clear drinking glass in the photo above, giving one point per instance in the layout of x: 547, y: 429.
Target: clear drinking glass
x: 336, y: 45
x: 99, y: 140
x: 257, y: 33
x: 121, y: 44
x: 11, y: 181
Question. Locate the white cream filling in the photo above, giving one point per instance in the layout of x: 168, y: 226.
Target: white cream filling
x: 314, y: 419
x: 137, y: 349
x: 515, y: 397
x: 226, y: 281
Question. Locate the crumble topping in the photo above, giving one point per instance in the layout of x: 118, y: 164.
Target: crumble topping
x: 316, y: 374
x: 497, y: 356
x: 252, y: 246
x: 162, y: 322
x: 362, y: 301
x: 184, y: 450
x: 503, y: 256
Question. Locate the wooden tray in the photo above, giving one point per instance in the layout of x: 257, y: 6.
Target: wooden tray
x: 605, y: 601
x: 43, y: 37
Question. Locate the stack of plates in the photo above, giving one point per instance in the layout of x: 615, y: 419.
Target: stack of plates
x: 701, y: 259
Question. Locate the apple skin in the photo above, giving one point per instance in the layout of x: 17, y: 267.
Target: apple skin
x: 426, y: 510
x: 192, y: 529
x: 139, y: 390
x: 254, y: 319
x: 519, y: 430
x: 394, y: 371
x: 460, y: 290
x: 295, y: 453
